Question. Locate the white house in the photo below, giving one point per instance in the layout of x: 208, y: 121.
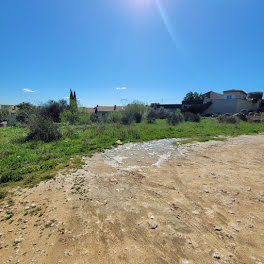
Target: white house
x: 231, y: 101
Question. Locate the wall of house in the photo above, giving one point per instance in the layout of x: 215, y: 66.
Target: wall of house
x: 236, y: 95
x: 232, y: 106
x: 249, y: 106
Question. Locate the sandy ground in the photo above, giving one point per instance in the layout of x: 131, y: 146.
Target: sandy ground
x: 145, y: 203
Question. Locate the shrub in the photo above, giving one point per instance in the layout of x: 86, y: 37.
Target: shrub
x: 133, y: 112
x: 69, y: 117
x: 25, y: 110
x: 228, y: 119
x: 151, y: 115
x: 198, y: 108
x: 255, y: 95
x: 84, y: 118
x: 113, y: 117
x: 12, y: 121
x: 52, y: 110
x: 4, y: 115
x: 191, y: 117
x: 176, y: 118
x: 43, y: 129
x: 162, y: 113
x: 94, y: 118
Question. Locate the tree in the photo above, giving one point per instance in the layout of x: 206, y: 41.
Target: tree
x: 193, y: 97
x: 255, y: 95
x: 73, y: 101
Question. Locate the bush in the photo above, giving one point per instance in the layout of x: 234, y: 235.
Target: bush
x: 133, y: 113
x: 12, y: 121
x: 4, y: 115
x: 84, y: 118
x: 191, y: 117
x: 255, y: 95
x: 25, y: 110
x: 52, y: 110
x: 151, y: 115
x: 176, y: 118
x: 228, y: 119
x: 94, y: 118
x: 69, y: 117
x: 43, y: 129
x: 162, y: 113
x: 198, y: 108
x: 113, y: 117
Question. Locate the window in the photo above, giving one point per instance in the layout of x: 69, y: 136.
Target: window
x: 230, y: 96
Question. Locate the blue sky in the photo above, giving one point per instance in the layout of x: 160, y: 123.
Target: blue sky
x: 154, y: 50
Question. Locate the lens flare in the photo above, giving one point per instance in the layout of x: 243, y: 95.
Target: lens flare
x: 167, y: 22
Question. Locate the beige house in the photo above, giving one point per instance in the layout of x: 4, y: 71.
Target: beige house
x: 10, y: 108
x: 102, y: 110
x: 231, y: 101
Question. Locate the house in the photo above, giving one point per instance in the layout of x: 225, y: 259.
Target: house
x: 9, y: 108
x: 231, y: 101
x: 102, y: 110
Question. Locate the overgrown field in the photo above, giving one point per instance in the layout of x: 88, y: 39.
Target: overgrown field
x: 28, y: 162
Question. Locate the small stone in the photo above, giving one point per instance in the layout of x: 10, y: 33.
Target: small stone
x: 18, y: 240
x: 51, y: 244
x: 217, y: 255
x: 34, y: 243
x: 196, y: 212
x: 1, y: 234
x: 231, y: 212
x: 228, y: 235
x: 217, y: 228
x: 27, y: 207
x: 67, y: 253
x: 152, y: 225
x: 119, y: 142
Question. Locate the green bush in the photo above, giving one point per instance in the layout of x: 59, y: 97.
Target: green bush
x: 52, y: 110
x: 25, y: 110
x: 228, y: 119
x: 4, y: 115
x: 113, y: 117
x: 151, y: 115
x: 133, y: 113
x: 191, y: 117
x: 176, y: 118
x: 43, y: 129
x: 94, y: 118
x: 69, y: 117
x: 84, y: 118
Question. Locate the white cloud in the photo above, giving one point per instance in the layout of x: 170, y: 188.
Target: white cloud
x: 27, y: 90
x: 121, y: 88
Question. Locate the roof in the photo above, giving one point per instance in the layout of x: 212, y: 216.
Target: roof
x: 234, y: 90
x: 109, y: 108
x: 104, y: 109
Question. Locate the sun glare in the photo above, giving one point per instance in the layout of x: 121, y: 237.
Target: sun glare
x: 141, y: 3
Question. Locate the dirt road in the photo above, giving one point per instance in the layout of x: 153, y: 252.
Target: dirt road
x: 145, y: 203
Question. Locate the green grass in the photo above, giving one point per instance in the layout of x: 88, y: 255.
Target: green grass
x: 27, y: 163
